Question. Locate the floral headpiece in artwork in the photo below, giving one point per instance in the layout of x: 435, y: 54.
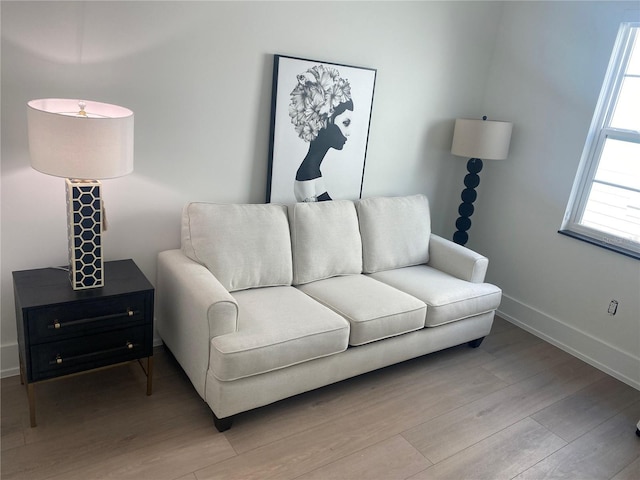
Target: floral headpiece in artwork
x: 318, y: 92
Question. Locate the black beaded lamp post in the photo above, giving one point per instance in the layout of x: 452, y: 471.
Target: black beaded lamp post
x: 476, y: 138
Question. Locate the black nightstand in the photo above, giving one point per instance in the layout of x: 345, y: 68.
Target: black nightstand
x: 62, y: 331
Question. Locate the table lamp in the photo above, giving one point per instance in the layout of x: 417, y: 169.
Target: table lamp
x: 82, y: 141
x: 488, y: 139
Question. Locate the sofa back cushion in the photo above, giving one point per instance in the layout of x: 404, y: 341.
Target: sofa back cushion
x: 395, y: 232
x: 325, y: 238
x: 244, y: 246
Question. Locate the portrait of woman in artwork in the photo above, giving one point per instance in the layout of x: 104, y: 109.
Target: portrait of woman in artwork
x: 321, y: 111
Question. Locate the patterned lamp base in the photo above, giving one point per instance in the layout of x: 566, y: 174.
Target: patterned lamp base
x: 84, y: 229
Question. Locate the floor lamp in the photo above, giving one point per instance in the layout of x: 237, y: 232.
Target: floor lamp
x: 477, y: 139
x: 82, y: 141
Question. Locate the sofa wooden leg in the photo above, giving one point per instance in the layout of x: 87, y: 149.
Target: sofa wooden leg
x: 476, y: 343
x: 222, y: 424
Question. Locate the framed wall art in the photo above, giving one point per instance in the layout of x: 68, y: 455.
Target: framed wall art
x: 320, y: 116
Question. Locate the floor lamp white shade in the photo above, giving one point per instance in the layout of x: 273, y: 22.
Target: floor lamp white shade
x: 484, y: 139
x: 82, y: 141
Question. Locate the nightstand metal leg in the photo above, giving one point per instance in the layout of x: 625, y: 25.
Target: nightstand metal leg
x: 32, y: 403
x: 148, y: 371
x: 21, y: 364
x: 149, y: 374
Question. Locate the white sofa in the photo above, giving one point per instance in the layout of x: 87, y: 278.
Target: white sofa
x: 263, y: 302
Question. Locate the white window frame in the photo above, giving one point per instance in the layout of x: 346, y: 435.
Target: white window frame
x: 598, y: 133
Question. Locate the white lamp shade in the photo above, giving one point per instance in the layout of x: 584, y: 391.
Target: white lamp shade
x: 484, y: 139
x: 64, y: 143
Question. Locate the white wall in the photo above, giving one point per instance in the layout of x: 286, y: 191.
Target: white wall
x: 198, y: 77
x: 550, y: 60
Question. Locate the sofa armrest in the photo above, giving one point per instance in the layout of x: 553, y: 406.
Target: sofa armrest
x: 192, y: 307
x: 457, y: 260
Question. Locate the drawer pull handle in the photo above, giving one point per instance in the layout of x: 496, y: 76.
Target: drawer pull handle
x: 58, y: 324
x: 127, y: 346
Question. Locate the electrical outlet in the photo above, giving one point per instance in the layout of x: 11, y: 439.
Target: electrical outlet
x: 613, y: 307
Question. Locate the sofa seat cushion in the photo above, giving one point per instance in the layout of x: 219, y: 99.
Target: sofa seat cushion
x: 277, y: 327
x: 374, y: 310
x: 448, y: 298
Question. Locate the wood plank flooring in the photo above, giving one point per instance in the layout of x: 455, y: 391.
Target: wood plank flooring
x: 514, y: 408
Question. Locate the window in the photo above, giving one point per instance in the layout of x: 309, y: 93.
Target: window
x: 604, y: 207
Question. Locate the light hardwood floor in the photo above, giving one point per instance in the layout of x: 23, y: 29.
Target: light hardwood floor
x: 516, y: 407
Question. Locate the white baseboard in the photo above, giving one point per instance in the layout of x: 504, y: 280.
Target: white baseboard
x: 9, y: 360
x: 611, y: 360
x: 9, y: 364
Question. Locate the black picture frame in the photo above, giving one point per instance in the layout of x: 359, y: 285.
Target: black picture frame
x: 320, y: 120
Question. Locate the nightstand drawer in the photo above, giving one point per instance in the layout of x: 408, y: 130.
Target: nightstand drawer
x: 68, y: 356
x: 60, y: 321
